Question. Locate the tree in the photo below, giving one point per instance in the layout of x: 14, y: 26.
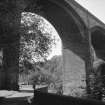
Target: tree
x: 35, y: 47
x: 34, y: 44
x: 49, y: 72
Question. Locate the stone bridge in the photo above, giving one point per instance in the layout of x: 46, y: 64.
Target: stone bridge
x: 82, y: 35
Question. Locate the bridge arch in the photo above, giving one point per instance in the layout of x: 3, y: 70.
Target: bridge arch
x: 98, y: 41
x: 65, y: 20
x: 72, y: 31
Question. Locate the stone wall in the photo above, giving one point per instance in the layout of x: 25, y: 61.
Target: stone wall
x: 74, y: 74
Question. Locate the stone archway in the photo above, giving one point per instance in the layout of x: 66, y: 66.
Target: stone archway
x: 40, y: 52
x: 68, y: 25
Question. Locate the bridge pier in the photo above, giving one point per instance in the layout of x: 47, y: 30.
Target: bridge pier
x: 11, y: 66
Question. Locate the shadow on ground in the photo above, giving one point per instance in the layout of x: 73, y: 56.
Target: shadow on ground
x: 42, y: 98
x: 15, y: 97
x: 14, y: 101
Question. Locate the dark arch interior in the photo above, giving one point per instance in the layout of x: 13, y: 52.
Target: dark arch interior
x: 98, y: 42
x: 65, y: 24
x: 103, y: 69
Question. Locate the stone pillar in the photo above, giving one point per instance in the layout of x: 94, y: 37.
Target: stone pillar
x: 89, y: 59
x: 11, y: 66
x: 10, y: 18
x: 89, y: 76
x: 2, y: 73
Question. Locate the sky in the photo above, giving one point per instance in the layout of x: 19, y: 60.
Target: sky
x: 96, y: 7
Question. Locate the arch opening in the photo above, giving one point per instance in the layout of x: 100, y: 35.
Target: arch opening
x: 98, y: 42
x: 40, y: 52
x: 66, y: 21
x: 68, y: 24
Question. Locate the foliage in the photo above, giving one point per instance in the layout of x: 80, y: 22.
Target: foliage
x: 45, y: 72
x: 34, y: 44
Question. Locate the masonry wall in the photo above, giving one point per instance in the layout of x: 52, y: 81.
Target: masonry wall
x: 74, y: 74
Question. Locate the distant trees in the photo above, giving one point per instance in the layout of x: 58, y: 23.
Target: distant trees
x: 49, y: 72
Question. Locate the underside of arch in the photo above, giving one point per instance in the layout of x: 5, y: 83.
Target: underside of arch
x: 66, y: 21
x: 98, y: 42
